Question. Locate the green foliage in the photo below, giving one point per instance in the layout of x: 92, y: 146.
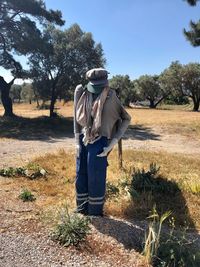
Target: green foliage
x: 192, y: 2
x: 27, y: 92
x: 177, y: 99
x: 11, y: 172
x: 26, y: 195
x: 168, y: 248
x: 177, y: 251
x: 144, y: 181
x: 31, y: 171
x: 15, y: 92
x: 193, y: 34
x: 19, y: 32
x: 148, y: 87
x: 111, y: 190
x: 72, y: 229
x: 71, y: 51
x: 124, y: 88
x: 183, y: 80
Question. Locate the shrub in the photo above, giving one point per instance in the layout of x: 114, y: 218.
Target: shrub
x: 10, y: 172
x: 26, y: 195
x: 72, y: 229
x: 31, y: 171
x: 143, y: 181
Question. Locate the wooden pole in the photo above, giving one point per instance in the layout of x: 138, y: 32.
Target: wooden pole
x: 120, y: 154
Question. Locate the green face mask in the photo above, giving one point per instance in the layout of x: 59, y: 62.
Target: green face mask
x: 95, y: 89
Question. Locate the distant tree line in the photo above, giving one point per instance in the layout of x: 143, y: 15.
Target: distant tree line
x: 58, y: 59
x: 176, y: 85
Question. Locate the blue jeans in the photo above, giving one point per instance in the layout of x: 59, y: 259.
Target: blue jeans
x: 91, y: 177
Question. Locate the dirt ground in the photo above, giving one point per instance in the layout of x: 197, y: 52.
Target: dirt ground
x: 24, y: 240
x: 17, y: 152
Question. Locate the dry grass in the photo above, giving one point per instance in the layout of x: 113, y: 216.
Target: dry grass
x: 177, y: 120
x: 58, y: 188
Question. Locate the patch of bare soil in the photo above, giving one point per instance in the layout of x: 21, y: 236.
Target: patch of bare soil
x: 17, y: 152
x: 157, y: 139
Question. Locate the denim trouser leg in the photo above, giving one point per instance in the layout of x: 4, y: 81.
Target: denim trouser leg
x: 91, y: 177
x: 96, y: 177
x: 82, y: 179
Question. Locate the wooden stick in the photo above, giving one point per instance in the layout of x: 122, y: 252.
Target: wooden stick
x: 120, y: 160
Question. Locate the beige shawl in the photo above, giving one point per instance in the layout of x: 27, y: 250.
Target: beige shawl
x: 88, y: 114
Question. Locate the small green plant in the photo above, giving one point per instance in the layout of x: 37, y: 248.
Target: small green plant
x: 26, y: 195
x: 31, y: 171
x: 111, y: 190
x: 10, y: 172
x: 72, y: 229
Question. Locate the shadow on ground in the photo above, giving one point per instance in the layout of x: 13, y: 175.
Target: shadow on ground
x: 45, y: 128
x: 40, y: 128
x: 126, y: 233
x: 165, y: 195
x: 139, y: 132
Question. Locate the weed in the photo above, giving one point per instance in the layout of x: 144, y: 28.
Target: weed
x: 26, y: 195
x: 72, y: 229
x: 167, y: 248
x: 111, y: 190
x: 31, y: 171
x: 152, y: 240
x: 11, y: 172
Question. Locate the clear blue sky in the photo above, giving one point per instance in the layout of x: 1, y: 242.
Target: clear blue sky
x: 138, y: 36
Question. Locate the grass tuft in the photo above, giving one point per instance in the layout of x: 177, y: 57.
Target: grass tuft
x: 27, y: 195
x: 72, y: 229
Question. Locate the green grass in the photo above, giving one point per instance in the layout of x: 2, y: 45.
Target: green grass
x: 26, y: 195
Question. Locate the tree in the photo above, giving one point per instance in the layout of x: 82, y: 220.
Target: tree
x: 191, y: 83
x: 149, y: 88
x: 20, y: 35
x: 15, y: 92
x: 192, y: 2
x: 193, y: 35
x: 183, y: 79
x: 124, y: 88
x: 171, y: 80
x: 27, y: 92
x: 57, y: 69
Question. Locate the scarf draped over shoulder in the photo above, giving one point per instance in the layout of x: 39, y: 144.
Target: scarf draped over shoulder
x: 88, y: 114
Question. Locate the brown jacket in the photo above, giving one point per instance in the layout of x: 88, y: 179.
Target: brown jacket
x: 115, y: 119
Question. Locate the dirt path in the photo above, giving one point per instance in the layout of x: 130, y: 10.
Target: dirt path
x: 18, y: 152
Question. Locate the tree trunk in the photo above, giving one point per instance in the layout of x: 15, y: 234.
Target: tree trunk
x: 120, y: 163
x: 152, y: 105
x: 52, y: 104
x: 5, y: 98
x: 196, y: 103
